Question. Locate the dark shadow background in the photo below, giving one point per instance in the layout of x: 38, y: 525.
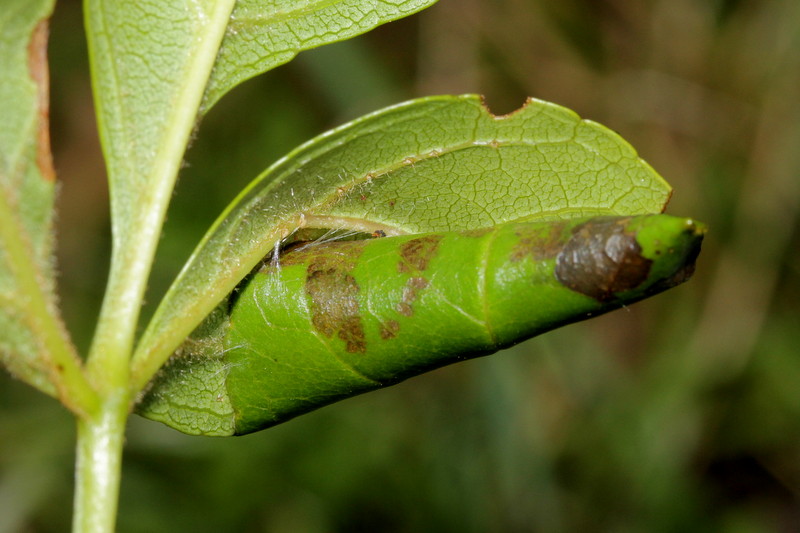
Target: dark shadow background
x: 681, y: 413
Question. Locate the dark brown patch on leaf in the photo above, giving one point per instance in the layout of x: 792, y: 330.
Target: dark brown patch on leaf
x: 538, y: 243
x: 389, y: 329
x: 334, y: 293
x: 601, y: 259
x: 417, y: 253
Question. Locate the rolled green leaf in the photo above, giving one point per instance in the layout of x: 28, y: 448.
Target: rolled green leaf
x: 329, y: 321
x: 440, y: 163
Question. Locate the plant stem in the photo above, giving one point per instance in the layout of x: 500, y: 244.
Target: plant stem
x: 98, y: 466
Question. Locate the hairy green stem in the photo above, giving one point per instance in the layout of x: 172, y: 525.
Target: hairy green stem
x: 98, y: 466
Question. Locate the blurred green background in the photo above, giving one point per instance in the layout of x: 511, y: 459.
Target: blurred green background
x: 681, y: 413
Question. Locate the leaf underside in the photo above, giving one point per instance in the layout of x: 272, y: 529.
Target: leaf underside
x: 156, y: 66
x: 263, y: 35
x: 27, y: 190
x: 434, y: 164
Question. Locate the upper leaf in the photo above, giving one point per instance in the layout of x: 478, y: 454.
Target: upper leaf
x: 434, y: 164
x: 262, y: 35
x: 153, y: 61
x: 151, y: 65
x: 33, y: 342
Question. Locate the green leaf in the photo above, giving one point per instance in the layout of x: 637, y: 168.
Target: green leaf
x: 263, y: 35
x: 33, y: 342
x: 435, y: 164
x: 338, y: 319
x: 153, y: 61
x: 151, y: 65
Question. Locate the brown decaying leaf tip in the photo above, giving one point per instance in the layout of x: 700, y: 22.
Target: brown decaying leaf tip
x: 602, y: 259
x: 37, y: 66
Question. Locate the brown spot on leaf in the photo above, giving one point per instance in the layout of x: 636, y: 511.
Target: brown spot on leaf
x: 410, y: 294
x: 601, y: 259
x: 417, y: 253
x: 538, y: 243
x: 37, y: 66
x: 389, y: 329
x: 334, y: 293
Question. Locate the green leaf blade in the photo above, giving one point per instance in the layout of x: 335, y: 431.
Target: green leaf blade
x: 434, y: 164
x: 263, y: 35
x: 152, y: 63
x: 34, y: 344
x: 26, y: 171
